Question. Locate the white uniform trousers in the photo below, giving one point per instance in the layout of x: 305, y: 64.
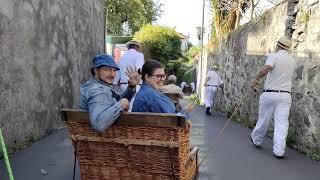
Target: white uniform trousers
x: 276, y: 105
x: 210, y: 95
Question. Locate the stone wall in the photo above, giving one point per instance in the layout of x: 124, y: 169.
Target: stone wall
x: 242, y: 54
x: 45, y: 50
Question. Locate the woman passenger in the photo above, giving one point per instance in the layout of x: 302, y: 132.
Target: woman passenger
x: 149, y: 98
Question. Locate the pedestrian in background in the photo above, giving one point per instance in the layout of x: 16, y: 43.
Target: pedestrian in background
x: 212, y: 83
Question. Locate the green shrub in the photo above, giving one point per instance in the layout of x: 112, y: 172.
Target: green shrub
x: 194, y: 98
x: 194, y: 50
x: 159, y: 43
x: 187, y: 76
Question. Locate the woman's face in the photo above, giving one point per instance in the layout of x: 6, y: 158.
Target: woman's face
x: 156, y: 79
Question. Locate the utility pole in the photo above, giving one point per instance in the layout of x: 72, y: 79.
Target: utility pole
x: 201, y: 58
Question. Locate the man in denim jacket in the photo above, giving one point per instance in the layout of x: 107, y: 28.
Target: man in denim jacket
x: 97, y: 95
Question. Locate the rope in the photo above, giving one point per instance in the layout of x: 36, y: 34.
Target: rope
x: 4, y: 150
x: 224, y: 127
x: 75, y: 160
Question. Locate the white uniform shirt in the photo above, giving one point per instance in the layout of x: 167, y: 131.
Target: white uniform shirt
x: 280, y: 77
x: 215, y: 79
x: 192, y: 86
x: 131, y: 58
x: 183, y: 84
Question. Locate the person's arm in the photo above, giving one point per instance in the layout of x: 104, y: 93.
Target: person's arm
x: 104, y: 110
x: 140, y: 106
x: 128, y: 93
x: 139, y: 61
x: 270, y: 63
x: 262, y: 72
x: 222, y: 89
x: 207, y: 78
x: 221, y: 85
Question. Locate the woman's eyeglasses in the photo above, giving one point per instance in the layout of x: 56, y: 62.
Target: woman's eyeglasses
x: 160, y: 76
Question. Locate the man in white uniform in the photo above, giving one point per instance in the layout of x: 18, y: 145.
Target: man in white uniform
x: 275, y: 101
x: 213, y: 81
x: 182, y: 85
x: 193, y: 87
x: 132, y: 58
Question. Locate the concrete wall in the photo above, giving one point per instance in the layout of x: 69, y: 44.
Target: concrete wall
x: 244, y: 52
x: 45, y: 50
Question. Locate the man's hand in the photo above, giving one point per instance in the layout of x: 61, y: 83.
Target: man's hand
x: 189, y: 125
x: 134, y: 77
x: 124, y: 103
x: 254, y: 84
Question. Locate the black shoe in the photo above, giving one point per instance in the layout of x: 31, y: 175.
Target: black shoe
x: 257, y: 146
x: 278, y: 157
x: 208, y: 111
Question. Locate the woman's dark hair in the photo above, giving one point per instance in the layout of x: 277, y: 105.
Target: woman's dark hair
x: 149, y: 67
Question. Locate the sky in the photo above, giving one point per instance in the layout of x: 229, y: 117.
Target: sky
x: 184, y: 16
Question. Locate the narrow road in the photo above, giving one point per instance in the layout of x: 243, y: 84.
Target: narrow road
x: 232, y: 158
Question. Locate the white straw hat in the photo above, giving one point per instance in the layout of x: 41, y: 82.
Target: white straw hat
x: 133, y: 42
x: 285, y: 43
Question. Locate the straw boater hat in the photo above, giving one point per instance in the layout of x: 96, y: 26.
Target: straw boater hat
x: 215, y: 67
x: 133, y: 42
x: 285, y: 43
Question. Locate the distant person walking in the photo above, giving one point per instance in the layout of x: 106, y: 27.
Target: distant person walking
x: 195, y: 71
x: 193, y: 87
x: 212, y: 83
x: 183, y: 85
x: 275, y: 101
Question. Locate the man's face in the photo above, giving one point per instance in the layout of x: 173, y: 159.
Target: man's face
x: 137, y: 48
x: 105, y: 74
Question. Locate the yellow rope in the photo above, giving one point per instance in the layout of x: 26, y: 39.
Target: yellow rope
x: 221, y: 131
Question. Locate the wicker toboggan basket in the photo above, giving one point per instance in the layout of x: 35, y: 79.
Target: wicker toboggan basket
x: 138, y: 146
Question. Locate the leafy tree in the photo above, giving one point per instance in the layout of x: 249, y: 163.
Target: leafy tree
x: 135, y: 13
x: 159, y: 43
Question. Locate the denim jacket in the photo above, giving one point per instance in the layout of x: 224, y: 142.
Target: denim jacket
x: 102, y: 103
x: 151, y: 100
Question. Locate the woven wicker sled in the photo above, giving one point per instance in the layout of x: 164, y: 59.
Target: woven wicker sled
x: 139, y: 146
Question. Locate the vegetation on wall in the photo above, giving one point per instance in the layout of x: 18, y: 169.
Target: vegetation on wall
x: 226, y: 15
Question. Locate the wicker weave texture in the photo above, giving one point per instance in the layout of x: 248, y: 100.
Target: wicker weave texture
x: 109, y: 160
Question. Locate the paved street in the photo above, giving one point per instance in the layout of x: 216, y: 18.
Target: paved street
x: 233, y: 157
